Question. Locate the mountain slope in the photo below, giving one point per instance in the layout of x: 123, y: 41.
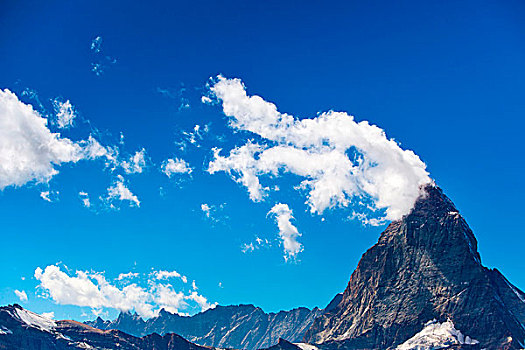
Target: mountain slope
x: 234, y: 326
x: 23, y: 329
x: 424, y: 267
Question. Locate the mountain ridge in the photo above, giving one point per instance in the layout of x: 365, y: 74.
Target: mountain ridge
x: 237, y: 326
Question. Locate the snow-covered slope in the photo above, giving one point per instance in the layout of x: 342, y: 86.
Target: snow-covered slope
x: 435, y: 336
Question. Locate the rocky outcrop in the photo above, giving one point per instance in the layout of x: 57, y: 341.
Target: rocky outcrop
x: 424, y: 267
x: 234, y: 326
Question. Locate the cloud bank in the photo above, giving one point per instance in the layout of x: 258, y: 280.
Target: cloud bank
x: 342, y: 162
x: 93, y: 290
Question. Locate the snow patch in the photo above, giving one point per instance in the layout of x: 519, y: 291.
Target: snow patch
x: 305, y: 346
x: 435, y: 336
x: 35, y: 320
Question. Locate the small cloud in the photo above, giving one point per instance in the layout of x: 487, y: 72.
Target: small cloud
x: 49, y: 196
x: 366, y: 220
x: 206, y: 100
x: 193, y: 137
x: 220, y: 285
x: 206, y: 209
x: 84, y: 197
x: 128, y: 275
x: 214, y: 212
x: 162, y: 275
x: 136, y: 163
x: 65, y: 113
x: 245, y: 248
x: 21, y: 294
x: 174, y: 166
x: 96, y: 44
x: 287, y: 231
x: 119, y: 191
x: 194, y: 285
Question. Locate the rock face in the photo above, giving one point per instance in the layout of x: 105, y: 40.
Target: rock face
x: 23, y: 330
x: 424, y: 267
x: 235, y: 326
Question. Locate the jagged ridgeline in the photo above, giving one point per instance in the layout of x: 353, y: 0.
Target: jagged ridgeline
x: 422, y: 286
x: 234, y: 326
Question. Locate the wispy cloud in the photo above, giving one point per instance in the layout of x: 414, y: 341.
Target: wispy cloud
x: 214, y: 212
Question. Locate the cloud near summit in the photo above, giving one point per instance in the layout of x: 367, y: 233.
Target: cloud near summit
x: 342, y: 162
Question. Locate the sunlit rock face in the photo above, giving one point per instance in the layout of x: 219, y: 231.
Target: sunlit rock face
x: 424, y: 267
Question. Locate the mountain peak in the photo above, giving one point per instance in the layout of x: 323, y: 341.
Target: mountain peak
x: 424, y: 267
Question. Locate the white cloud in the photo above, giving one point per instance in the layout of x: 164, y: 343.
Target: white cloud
x: 136, y: 163
x: 340, y: 160
x: 127, y: 275
x: 65, y: 113
x: 194, y: 285
x: 288, y: 233
x: 206, y: 209
x: 175, y: 166
x: 84, y: 197
x: 21, y: 294
x: 201, y: 300
x: 119, y: 191
x: 49, y: 196
x: 29, y: 151
x: 93, y: 290
x: 162, y: 275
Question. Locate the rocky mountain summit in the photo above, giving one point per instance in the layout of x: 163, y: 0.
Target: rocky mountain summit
x: 424, y: 268
x: 234, y: 326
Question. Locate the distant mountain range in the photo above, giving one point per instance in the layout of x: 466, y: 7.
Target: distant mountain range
x: 421, y: 287
x: 235, y: 326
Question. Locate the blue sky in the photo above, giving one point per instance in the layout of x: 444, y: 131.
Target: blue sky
x: 445, y: 80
